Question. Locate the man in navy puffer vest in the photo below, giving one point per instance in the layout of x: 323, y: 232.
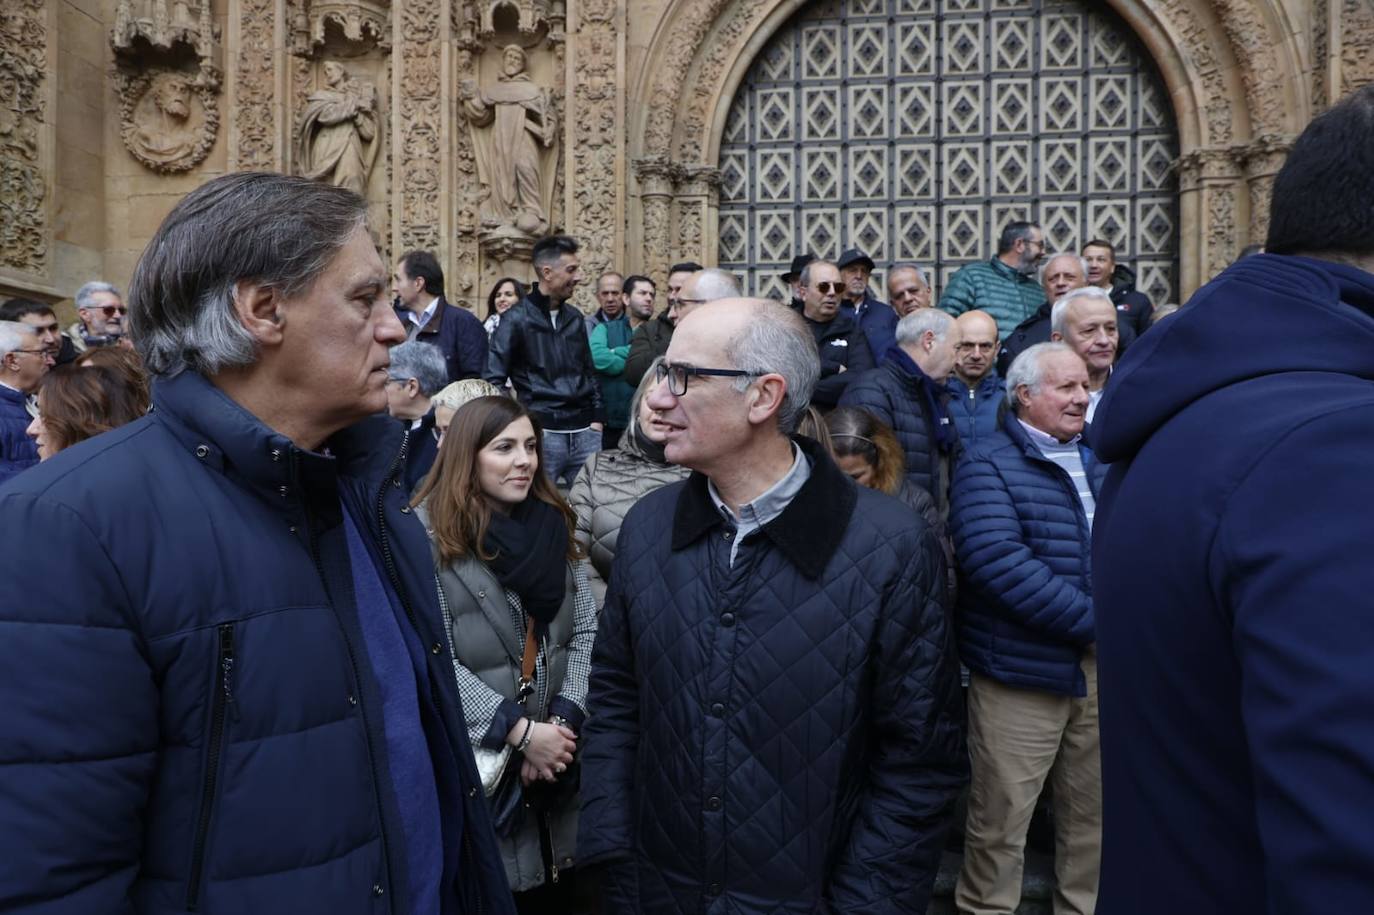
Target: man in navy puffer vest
x: 1021, y: 511
x: 245, y: 704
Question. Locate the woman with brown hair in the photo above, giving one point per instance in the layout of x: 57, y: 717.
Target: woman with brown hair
x: 869, y: 452
x: 522, y: 622
x: 76, y: 403
x: 125, y: 363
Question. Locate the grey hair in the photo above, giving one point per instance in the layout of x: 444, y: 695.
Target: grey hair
x: 458, y: 393
x: 915, y: 325
x: 920, y: 274
x: 775, y: 340
x: 92, y: 289
x: 1059, y: 313
x: 274, y: 230
x: 804, y: 278
x: 1044, y: 265
x: 714, y: 283
x: 12, y: 336
x: 421, y: 361
x: 646, y: 384
x: 1028, y: 369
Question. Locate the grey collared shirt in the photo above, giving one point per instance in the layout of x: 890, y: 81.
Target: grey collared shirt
x: 768, y: 505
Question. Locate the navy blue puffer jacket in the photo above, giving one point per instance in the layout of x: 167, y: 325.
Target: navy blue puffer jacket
x: 783, y: 735
x: 896, y: 396
x: 191, y: 721
x: 1023, y: 545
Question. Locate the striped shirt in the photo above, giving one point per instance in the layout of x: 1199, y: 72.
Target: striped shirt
x: 1067, y: 456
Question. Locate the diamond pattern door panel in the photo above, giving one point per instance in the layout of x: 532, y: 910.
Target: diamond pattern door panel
x: 916, y: 129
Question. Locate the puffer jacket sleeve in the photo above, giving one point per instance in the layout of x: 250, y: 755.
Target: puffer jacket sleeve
x: 605, y: 827
x: 79, y: 743
x: 580, y: 498
x: 999, y: 565
x: 961, y: 294
x: 919, y: 763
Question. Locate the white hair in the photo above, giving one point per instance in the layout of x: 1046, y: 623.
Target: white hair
x: 1059, y: 313
x: 422, y: 361
x: 775, y: 340
x: 1045, y: 264
x: 920, y: 274
x: 1028, y: 369
x: 92, y: 289
x: 714, y: 283
x: 915, y: 325
x: 13, y: 336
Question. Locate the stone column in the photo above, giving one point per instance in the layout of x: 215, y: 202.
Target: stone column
x: 1210, y: 205
x: 256, y: 40
x: 698, y: 201
x: 28, y: 30
x: 657, y: 177
x: 1261, y: 161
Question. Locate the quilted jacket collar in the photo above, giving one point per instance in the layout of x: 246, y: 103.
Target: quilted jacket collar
x: 810, y: 528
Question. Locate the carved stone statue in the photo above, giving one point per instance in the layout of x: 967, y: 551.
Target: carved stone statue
x: 337, y: 139
x: 515, y: 131
x: 166, y: 130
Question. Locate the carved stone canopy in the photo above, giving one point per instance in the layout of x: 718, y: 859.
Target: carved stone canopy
x: 533, y: 19
x: 158, y: 32
x: 362, y: 22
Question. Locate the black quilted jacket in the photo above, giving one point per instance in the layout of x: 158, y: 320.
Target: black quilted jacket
x: 783, y: 735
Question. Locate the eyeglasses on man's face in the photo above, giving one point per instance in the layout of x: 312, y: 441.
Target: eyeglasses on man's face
x: 827, y: 288
x: 110, y: 311
x: 678, y: 373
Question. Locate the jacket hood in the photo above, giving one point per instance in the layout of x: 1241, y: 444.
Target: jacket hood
x: 1265, y: 315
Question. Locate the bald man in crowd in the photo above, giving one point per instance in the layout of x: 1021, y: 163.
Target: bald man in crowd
x: 975, y: 387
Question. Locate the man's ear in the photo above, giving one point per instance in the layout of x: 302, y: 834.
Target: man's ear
x: 765, y: 397
x: 1056, y: 336
x: 412, y: 388
x: 259, y: 311
x: 1023, y: 395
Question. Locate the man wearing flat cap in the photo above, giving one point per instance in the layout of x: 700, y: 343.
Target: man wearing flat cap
x: 874, y: 316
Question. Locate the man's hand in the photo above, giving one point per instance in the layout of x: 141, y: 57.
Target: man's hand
x: 598, y: 427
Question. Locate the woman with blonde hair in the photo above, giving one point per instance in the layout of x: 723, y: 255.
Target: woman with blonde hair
x: 522, y: 620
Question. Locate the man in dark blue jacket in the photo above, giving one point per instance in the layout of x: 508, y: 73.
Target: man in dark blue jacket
x: 976, y: 391
x: 23, y: 363
x: 775, y: 717
x: 1022, y: 513
x: 1232, y: 571
x: 245, y: 703
x: 875, y: 317
x: 907, y: 392
x: 418, y: 285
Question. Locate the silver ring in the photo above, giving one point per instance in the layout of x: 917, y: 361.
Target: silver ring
x: 561, y: 768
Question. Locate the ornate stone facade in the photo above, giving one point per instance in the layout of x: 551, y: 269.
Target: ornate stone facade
x: 640, y: 92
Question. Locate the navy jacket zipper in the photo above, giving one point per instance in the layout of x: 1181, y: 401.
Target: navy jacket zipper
x: 222, y: 701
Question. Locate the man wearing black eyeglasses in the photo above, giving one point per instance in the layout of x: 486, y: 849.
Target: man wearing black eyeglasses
x: 102, y: 312
x: 775, y: 716
x: 841, y: 342
x: 23, y: 363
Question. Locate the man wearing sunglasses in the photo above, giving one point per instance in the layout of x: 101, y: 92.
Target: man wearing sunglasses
x: 102, y: 312
x: 775, y: 711
x: 841, y: 342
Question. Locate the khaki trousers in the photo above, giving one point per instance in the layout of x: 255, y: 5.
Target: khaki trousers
x: 1016, y: 738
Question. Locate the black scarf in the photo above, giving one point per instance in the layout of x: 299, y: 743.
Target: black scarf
x: 648, y: 447
x: 530, y: 547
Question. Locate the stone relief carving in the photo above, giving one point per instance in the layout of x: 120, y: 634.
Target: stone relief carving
x: 338, y: 137
x: 1261, y: 161
x: 24, y: 228
x: 1253, y: 44
x: 168, y: 119
x: 419, y: 151
x: 594, y: 136
x: 1357, y: 45
x: 254, y: 115
x: 1221, y: 228
x: 515, y: 139
x: 657, y: 177
x: 167, y: 76
x: 360, y: 22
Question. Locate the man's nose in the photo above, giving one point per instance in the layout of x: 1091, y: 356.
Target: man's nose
x: 659, y: 397
x: 389, y: 329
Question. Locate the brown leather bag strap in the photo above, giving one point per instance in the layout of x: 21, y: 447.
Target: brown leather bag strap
x: 527, y: 663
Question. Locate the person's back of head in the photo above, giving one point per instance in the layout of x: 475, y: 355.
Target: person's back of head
x: 866, y: 449
x: 1320, y: 205
x: 78, y: 402
x: 712, y: 283
x: 126, y: 364
x: 930, y: 337
x: 417, y: 372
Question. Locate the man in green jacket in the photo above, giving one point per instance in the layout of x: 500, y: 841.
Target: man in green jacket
x: 1005, y: 286
x: 610, y: 345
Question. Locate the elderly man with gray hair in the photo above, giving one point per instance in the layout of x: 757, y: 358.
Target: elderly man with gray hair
x: 101, y: 310
x: 907, y: 392
x: 275, y: 723
x: 775, y: 716
x: 23, y: 363
x: 1021, y: 514
x: 1086, y: 319
x: 418, y: 372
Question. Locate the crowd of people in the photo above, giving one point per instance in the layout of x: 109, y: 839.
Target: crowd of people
x: 386, y: 606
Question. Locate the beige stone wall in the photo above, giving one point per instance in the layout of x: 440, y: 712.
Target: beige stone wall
x: 642, y: 88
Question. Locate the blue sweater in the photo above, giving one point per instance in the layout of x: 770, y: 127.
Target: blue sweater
x: 1233, y: 585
